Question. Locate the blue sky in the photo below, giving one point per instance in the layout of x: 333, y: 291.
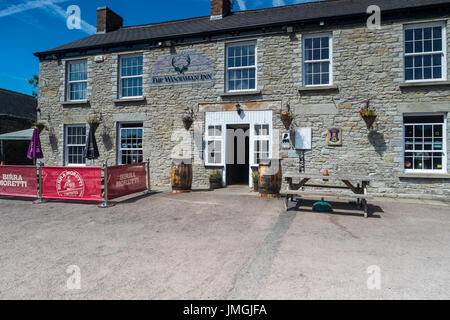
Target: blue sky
x: 29, y: 26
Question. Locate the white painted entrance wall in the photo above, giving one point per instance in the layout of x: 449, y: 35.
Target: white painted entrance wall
x: 250, y: 118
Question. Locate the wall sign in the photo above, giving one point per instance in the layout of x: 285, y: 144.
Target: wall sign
x: 187, y: 68
x: 334, y: 136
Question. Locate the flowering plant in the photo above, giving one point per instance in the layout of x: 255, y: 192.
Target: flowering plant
x: 188, y: 119
x: 368, y: 112
x: 287, y: 118
x: 216, y: 175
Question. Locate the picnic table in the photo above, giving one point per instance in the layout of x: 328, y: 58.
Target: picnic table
x: 352, y: 186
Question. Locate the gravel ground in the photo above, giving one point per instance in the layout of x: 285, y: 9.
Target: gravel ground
x: 209, y: 245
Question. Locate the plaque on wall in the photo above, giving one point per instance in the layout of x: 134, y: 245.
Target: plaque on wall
x: 189, y: 68
x: 334, y: 136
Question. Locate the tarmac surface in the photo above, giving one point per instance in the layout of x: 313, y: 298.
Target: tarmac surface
x: 223, y: 245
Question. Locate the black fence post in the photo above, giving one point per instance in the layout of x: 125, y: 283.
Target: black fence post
x: 39, y: 200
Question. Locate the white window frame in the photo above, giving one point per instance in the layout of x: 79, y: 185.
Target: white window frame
x: 227, y: 68
x: 444, y: 143
x: 119, y: 144
x: 67, y: 145
x: 69, y: 82
x: 443, y: 52
x: 209, y: 139
x: 330, y: 58
x: 130, y: 77
x: 256, y: 138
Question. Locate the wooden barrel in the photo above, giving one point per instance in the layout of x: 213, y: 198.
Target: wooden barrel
x: 270, y: 175
x: 181, y: 176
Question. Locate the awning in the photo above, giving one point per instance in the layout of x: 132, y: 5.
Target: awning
x: 18, y: 135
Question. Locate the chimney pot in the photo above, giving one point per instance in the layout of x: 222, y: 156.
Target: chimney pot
x: 108, y: 20
x: 220, y: 9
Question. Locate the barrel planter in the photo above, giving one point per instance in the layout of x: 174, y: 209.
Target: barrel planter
x: 181, y: 176
x: 270, y: 175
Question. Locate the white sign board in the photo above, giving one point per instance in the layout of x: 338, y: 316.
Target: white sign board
x: 303, y: 138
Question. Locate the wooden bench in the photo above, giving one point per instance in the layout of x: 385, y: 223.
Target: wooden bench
x: 361, y: 198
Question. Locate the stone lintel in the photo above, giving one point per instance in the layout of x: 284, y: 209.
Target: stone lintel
x: 246, y: 106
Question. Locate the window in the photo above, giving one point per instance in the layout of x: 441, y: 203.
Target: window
x: 130, y: 143
x: 241, y: 67
x: 214, y: 144
x: 76, y: 80
x: 425, y: 143
x: 131, y: 76
x: 262, y: 142
x: 425, y: 57
x: 317, y: 60
x: 75, y: 143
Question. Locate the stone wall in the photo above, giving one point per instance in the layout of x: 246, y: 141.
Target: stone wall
x: 367, y: 65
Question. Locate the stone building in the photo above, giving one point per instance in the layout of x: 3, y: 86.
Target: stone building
x: 17, y: 112
x: 237, y: 71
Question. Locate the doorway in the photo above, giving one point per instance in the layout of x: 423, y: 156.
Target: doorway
x: 238, y: 154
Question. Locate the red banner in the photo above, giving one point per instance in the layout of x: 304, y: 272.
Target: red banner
x: 18, y: 181
x: 72, y: 183
x: 126, y: 179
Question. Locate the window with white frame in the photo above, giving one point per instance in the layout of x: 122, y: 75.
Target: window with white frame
x: 74, y: 144
x: 130, y: 143
x: 76, y: 80
x: 214, y: 145
x: 425, y: 53
x: 130, y: 82
x: 317, y: 60
x: 241, y: 67
x: 261, y: 142
x: 425, y: 143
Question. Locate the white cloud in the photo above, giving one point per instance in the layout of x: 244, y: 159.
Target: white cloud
x: 242, y: 5
x: 50, y: 7
x: 278, y: 3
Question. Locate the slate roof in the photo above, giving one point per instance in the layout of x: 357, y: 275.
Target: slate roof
x: 239, y: 20
x: 18, y: 105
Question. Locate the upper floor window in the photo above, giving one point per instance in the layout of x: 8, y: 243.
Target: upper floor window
x: 241, y: 67
x: 317, y: 60
x: 425, y: 53
x: 76, y: 80
x: 130, y: 81
x: 425, y: 142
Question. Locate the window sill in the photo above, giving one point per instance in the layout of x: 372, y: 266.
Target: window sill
x: 75, y: 103
x: 134, y: 99
x: 241, y: 93
x: 418, y: 175
x: 319, y: 88
x: 423, y: 84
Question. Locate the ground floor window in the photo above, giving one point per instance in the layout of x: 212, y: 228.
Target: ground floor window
x: 425, y: 143
x: 74, y: 144
x: 130, y: 143
x: 214, y: 145
x: 261, y: 142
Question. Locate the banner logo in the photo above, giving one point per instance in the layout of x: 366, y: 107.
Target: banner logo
x: 70, y: 184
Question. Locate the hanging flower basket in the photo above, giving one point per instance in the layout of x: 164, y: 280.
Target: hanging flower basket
x: 40, y: 126
x: 369, y: 115
x: 94, y: 123
x: 188, y: 119
x: 369, y: 120
x: 287, y: 118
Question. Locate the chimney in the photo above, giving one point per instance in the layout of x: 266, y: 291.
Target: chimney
x: 220, y: 8
x: 108, y: 20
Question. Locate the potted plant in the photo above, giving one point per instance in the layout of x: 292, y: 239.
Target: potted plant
x: 369, y: 115
x: 287, y: 118
x: 188, y: 119
x: 255, y: 176
x: 40, y: 125
x: 215, y: 180
x: 94, y: 122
